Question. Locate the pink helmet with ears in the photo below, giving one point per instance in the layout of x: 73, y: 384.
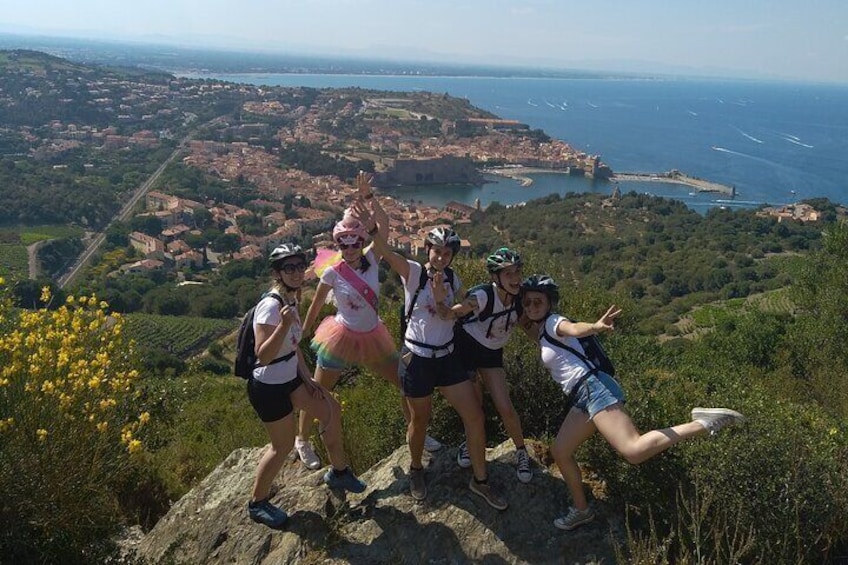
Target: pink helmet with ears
x: 349, y: 230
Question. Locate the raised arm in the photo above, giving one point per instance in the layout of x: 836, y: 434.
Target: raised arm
x: 381, y: 222
x: 315, y: 307
x: 605, y: 323
x: 380, y: 245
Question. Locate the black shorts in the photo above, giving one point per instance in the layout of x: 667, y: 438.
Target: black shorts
x: 424, y: 374
x: 475, y: 355
x: 272, y: 402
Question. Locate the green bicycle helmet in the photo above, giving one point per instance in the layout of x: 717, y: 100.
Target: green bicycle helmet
x: 501, y: 259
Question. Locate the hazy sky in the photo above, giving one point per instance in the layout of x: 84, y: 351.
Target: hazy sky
x: 789, y: 39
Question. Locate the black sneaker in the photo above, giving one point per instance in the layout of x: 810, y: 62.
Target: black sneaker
x: 263, y: 512
x: 463, y: 458
x: 344, y: 481
x: 523, y: 470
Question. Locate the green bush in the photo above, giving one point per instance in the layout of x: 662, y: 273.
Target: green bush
x: 780, y: 482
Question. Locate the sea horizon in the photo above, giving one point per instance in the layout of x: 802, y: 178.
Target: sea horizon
x: 777, y: 142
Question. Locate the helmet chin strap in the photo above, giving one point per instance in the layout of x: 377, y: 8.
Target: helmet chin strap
x: 501, y: 286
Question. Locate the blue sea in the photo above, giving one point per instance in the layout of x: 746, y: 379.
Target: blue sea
x: 777, y: 143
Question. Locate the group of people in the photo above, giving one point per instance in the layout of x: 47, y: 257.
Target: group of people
x: 452, y: 341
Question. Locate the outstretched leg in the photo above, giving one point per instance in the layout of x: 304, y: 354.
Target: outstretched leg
x: 618, y: 429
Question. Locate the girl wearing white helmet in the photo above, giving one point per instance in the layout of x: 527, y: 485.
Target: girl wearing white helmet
x: 282, y: 382
x: 355, y: 335
x: 428, y: 357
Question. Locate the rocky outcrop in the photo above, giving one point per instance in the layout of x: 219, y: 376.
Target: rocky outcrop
x: 383, y: 524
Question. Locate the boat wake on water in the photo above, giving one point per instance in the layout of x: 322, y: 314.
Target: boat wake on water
x: 751, y: 137
x: 739, y: 153
x: 797, y: 142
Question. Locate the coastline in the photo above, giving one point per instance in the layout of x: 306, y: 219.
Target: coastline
x: 777, y: 171
x: 520, y: 174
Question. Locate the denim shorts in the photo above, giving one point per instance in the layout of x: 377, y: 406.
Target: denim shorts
x: 598, y: 392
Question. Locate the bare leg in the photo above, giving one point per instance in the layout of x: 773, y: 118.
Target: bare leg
x: 281, y: 434
x: 477, y: 382
x: 417, y: 427
x: 574, y: 431
x: 328, y: 379
x: 618, y: 429
x: 388, y: 371
x: 329, y: 413
x: 495, y: 380
x: 462, y: 397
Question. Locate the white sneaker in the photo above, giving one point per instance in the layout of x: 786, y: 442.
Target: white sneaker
x: 523, y: 470
x: 714, y: 419
x: 432, y: 444
x: 307, y: 454
x: 463, y: 458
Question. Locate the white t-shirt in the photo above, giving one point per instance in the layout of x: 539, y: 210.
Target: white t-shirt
x: 565, y: 367
x: 502, y: 326
x: 353, y: 311
x: 268, y: 312
x: 425, y: 325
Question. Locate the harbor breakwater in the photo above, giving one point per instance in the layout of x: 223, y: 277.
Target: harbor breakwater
x: 522, y: 176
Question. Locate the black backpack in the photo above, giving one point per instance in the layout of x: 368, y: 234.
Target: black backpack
x: 487, y: 310
x: 405, y: 315
x: 594, y: 356
x: 246, y: 359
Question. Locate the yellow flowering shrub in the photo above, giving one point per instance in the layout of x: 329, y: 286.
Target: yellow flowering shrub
x: 69, y: 420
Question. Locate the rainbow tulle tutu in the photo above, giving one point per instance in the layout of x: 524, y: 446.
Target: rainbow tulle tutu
x: 341, y: 345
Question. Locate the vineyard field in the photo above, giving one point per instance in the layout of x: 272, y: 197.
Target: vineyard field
x: 180, y: 335
x: 14, y: 264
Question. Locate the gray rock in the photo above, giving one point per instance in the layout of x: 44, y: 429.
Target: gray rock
x: 383, y: 524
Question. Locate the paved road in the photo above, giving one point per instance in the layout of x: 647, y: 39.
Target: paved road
x: 123, y: 215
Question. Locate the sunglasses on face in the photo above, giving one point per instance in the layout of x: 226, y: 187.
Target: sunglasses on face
x: 534, y: 302
x: 356, y: 245
x: 293, y: 268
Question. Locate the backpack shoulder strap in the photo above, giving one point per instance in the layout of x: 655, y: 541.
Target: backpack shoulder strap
x: 486, y: 312
x: 557, y: 343
x: 450, y: 278
x: 422, y: 282
x: 274, y: 295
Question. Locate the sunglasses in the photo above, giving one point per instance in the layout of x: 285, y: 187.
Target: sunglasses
x: 534, y: 302
x: 356, y: 245
x: 293, y: 268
